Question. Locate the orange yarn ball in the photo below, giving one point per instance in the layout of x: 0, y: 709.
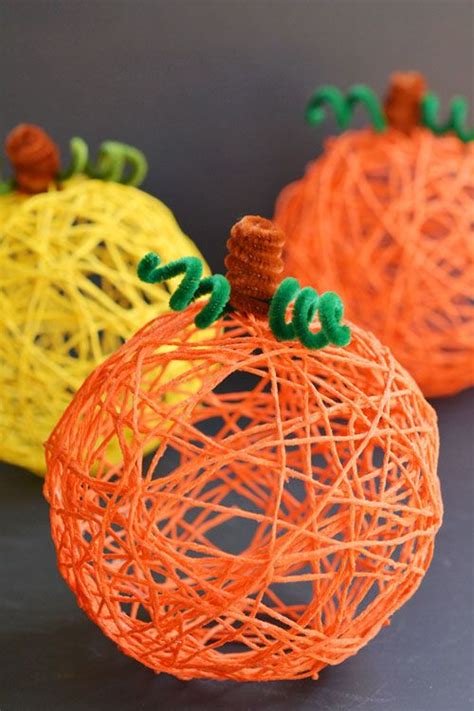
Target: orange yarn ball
x: 283, y: 519
x: 387, y: 221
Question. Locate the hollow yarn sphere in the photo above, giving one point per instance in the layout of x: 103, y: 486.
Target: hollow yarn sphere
x: 290, y: 509
x: 69, y: 296
x: 387, y: 220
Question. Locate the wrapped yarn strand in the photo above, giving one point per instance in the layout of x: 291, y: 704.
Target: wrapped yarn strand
x: 386, y: 219
x: 292, y: 502
x: 69, y: 293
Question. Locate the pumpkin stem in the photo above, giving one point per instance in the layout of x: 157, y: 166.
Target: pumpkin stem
x: 34, y: 157
x: 402, y: 105
x: 254, y: 263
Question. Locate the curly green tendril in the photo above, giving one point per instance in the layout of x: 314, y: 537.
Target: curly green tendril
x: 6, y: 186
x: 192, y: 286
x: 307, y: 302
x: 456, y: 121
x: 116, y: 162
x: 343, y: 106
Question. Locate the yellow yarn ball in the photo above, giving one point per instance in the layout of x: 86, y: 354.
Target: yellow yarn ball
x: 70, y: 296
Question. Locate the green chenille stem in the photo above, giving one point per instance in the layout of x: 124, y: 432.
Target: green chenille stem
x: 79, y: 156
x: 116, y: 162
x: 282, y: 298
x: 119, y: 163
x: 331, y: 311
x: 362, y: 94
x: 327, y: 96
x: 7, y: 186
x: 456, y: 121
x: 191, y: 287
x: 306, y: 304
x: 219, y: 288
x: 343, y: 107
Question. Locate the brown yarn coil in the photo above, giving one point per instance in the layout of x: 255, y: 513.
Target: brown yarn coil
x: 34, y: 156
x: 254, y: 263
x: 402, y: 104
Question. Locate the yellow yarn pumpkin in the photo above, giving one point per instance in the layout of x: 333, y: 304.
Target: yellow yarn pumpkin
x: 69, y: 296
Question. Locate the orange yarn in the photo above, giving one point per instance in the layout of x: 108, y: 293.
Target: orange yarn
x: 387, y: 221
x: 281, y: 521
x: 34, y: 157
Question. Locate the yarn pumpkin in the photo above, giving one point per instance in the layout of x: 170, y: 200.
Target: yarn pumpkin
x: 69, y: 294
x: 386, y: 217
x: 290, y: 508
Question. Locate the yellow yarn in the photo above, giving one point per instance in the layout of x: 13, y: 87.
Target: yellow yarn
x: 69, y: 296
x: 9, y: 203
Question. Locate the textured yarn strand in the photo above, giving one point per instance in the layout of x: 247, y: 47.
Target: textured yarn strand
x: 70, y: 296
x: 387, y: 221
x: 276, y: 528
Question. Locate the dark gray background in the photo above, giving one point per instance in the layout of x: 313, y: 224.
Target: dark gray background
x: 214, y: 93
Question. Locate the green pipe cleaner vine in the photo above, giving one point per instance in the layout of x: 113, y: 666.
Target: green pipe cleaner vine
x: 192, y: 285
x: 7, y: 186
x: 116, y: 162
x: 456, y: 121
x: 343, y: 106
x: 307, y: 302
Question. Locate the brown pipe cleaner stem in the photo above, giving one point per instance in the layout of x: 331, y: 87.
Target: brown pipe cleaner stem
x: 402, y: 104
x: 34, y: 157
x: 254, y: 263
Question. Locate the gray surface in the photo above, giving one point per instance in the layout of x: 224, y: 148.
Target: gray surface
x: 214, y: 93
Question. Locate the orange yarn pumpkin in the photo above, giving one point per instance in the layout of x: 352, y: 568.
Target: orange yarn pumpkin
x: 387, y: 220
x: 282, y: 520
